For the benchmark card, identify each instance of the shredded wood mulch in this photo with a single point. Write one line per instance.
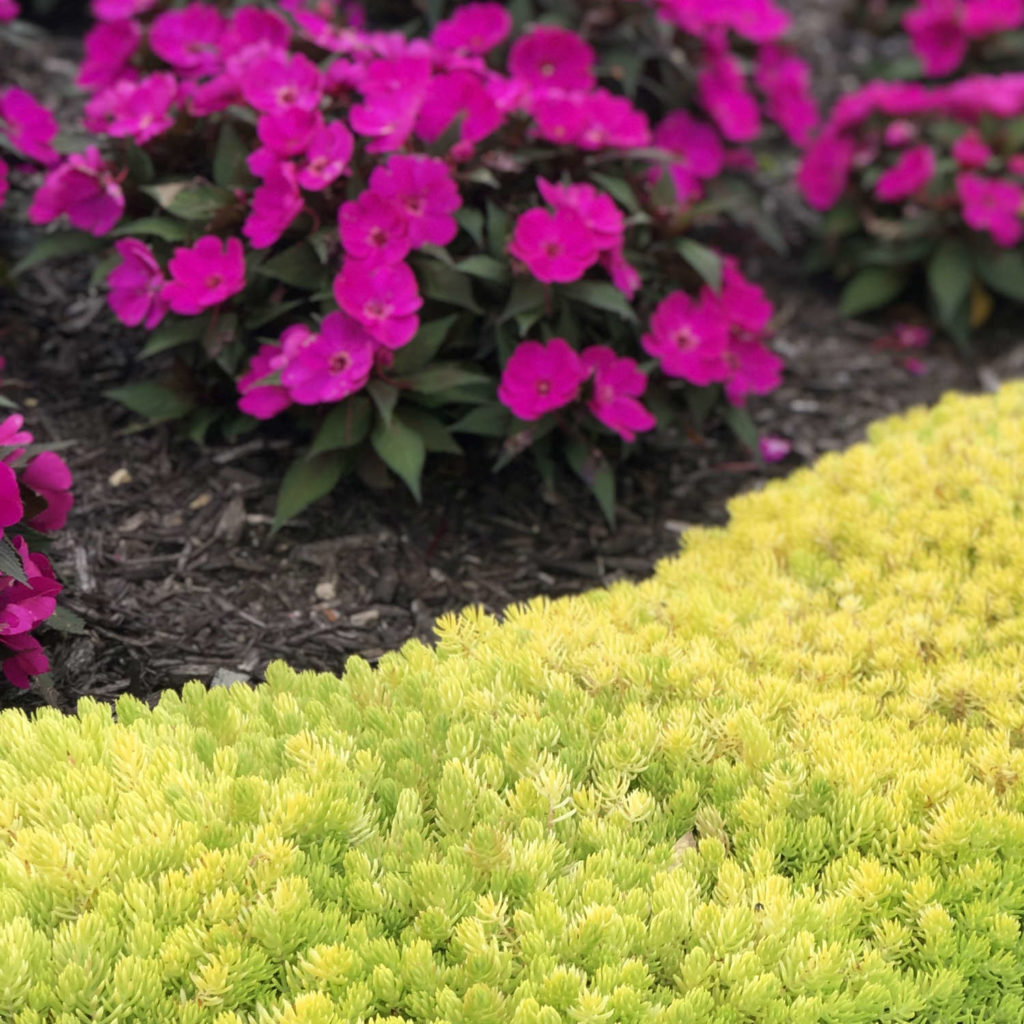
(168, 554)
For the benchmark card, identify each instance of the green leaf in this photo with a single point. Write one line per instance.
(527, 296)
(10, 562)
(1002, 270)
(197, 202)
(153, 227)
(402, 450)
(298, 266)
(441, 376)
(139, 163)
(424, 346)
(385, 397)
(56, 246)
(445, 284)
(603, 296)
(497, 231)
(308, 480)
(871, 289)
(172, 333)
(488, 420)
(524, 438)
(261, 315)
(591, 466)
(472, 222)
(153, 400)
(64, 620)
(436, 436)
(222, 330)
(742, 425)
(950, 274)
(345, 426)
(705, 261)
(485, 267)
(229, 159)
(619, 189)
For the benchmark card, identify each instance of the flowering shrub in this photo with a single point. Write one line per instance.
(924, 182)
(399, 240)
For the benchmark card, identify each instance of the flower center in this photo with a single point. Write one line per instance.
(548, 69)
(414, 205)
(685, 338)
(378, 236)
(338, 362)
(552, 249)
(213, 281)
(375, 310)
(286, 94)
(543, 387)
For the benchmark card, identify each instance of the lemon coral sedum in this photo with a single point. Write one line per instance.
(782, 781)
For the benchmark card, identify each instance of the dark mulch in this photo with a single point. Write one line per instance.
(168, 553)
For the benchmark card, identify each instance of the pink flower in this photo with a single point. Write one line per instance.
(689, 338)
(188, 37)
(327, 157)
(773, 448)
(785, 80)
(109, 46)
(336, 363)
(993, 206)
(278, 81)
(275, 204)
(422, 187)
(250, 26)
(618, 384)
(753, 370)
(596, 209)
(374, 228)
(120, 10)
(560, 117)
(288, 132)
(937, 35)
(83, 188)
(538, 379)
(136, 284)
(624, 275)
(552, 57)
(912, 171)
(11, 508)
(11, 436)
(742, 304)
(204, 275)
(723, 91)
(22, 608)
(137, 110)
(458, 94)
(987, 17)
(48, 476)
(1015, 163)
(262, 396)
(393, 92)
(473, 28)
(970, 151)
(556, 247)
(825, 170)
(29, 126)
(8, 10)
(383, 297)
(611, 122)
(698, 150)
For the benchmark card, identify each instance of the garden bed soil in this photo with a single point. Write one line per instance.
(169, 557)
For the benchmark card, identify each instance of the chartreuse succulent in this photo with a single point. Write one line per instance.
(779, 782)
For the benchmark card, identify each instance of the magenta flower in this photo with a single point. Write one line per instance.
(335, 364)
(987, 17)
(560, 117)
(556, 247)
(83, 188)
(611, 122)
(288, 132)
(109, 46)
(971, 152)
(48, 476)
(538, 379)
(28, 125)
(374, 228)
(825, 170)
(139, 110)
(204, 275)
(624, 275)
(689, 338)
(473, 28)
(992, 205)
(383, 297)
(724, 94)
(912, 171)
(552, 57)
(741, 303)
(618, 384)
(278, 81)
(785, 80)
(327, 156)
(698, 151)
(773, 448)
(136, 285)
(937, 35)
(596, 209)
(22, 608)
(422, 187)
(12, 436)
(753, 370)
(393, 92)
(11, 508)
(189, 37)
(458, 94)
(9, 10)
(120, 10)
(252, 26)
(262, 394)
(275, 204)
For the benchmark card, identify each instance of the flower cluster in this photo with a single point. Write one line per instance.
(924, 174)
(318, 197)
(943, 31)
(35, 493)
(26, 127)
(9, 10)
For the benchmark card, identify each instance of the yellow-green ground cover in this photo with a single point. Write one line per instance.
(779, 782)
